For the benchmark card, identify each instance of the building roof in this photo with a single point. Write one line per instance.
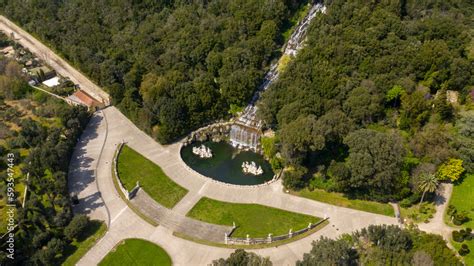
(85, 98)
(52, 82)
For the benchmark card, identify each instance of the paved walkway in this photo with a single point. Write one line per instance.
(82, 177)
(177, 222)
(437, 225)
(125, 224)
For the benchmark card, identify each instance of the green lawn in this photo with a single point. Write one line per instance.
(339, 199)
(79, 247)
(462, 199)
(253, 219)
(133, 167)
(136, 252)
(469, 258)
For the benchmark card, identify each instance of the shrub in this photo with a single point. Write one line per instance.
(468, 235)
(460, 217)
(412, 199)
(451, 170)
(276, 163)
(457, 236)
(293, 178)
(76, 226)
(464, 250)
(451, 210)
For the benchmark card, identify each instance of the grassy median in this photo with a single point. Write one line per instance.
(253, 219)
(133, 167)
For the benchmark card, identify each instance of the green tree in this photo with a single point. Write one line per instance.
(76, 227)
(393, 95)
(327, 251)
(375, 160)
(242, 258)
(451, 170)
(427, 183)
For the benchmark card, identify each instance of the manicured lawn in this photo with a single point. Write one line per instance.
(137, 252)
(133, 167)
(469, 258)
(463, 199)
(339, 199)
(253, 219)
(79, 247)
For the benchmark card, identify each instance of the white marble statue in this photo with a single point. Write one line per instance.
(202, 151)
(251, 168)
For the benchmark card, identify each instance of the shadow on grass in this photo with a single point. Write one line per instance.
(92, 229)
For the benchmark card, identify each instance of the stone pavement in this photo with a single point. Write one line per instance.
(82, 177)
(177, 222)
(126, 224)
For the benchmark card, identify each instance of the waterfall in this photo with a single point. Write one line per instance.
(246, 131)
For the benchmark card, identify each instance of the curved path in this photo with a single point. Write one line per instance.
(124, 223)
(437, 225)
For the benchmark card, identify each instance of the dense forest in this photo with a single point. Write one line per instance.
(379, 100)
(39, 132)
(170, 66)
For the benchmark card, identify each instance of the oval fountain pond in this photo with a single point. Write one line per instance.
(225, 165)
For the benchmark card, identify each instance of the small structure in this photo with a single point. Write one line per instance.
(52, 82)
(42, 73)
(81, 97)
(8, 51)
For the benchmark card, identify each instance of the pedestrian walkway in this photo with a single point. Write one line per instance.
(178, 222)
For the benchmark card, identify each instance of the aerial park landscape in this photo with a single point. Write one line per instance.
(292, 142)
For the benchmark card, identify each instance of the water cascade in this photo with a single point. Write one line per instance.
(246, 131)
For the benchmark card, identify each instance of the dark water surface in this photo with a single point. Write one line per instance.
(226, 164)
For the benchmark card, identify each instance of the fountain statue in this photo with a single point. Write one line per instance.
(202, 151)
(251, 168)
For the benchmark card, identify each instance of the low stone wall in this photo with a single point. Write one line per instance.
(128, 194)
(215, 132)
(269, 239)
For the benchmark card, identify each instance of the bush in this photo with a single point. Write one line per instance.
(411, 200)
(293, 178)
(460, 217)
(464, 250)
(468, 235)
(319, 181)
(276, 163)
(457, 236)
(75, 228)
(451, 210)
